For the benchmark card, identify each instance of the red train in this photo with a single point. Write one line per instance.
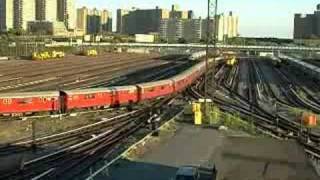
(65, 101)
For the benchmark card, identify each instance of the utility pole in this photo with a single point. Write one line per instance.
(212, 16)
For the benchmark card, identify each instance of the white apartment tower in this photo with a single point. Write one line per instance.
(24, 12)
(66, 13)
(228, 26)
(6, 15)
(46, 10)
(82, 19)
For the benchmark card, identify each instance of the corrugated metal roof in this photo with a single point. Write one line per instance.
(30, 94)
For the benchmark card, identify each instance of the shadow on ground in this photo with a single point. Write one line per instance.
(133, 170)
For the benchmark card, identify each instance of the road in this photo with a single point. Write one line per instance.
(189, 146)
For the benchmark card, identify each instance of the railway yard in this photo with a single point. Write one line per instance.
(271, 93)
(75, 72)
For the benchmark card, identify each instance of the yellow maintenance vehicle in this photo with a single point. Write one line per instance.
(90, 52)
(230, 57)
(45, 55)
(231, 61)
(57, 54)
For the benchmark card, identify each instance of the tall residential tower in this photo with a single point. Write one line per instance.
(24, 12)
(66, 13)
(94, 21)
(6, 15)
(46, 10)
(120, 19)
(307, 26)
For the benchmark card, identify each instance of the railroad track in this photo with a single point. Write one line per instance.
(66, 77)
(295, 88)
(108, 133)
(264, 121)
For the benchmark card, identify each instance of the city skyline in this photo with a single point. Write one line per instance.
(258, 19)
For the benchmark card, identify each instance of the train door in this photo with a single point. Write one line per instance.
(62, 102)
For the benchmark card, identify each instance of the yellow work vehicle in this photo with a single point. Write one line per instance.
(231, 61)
(45, 55)
(40, 56)
(91, 52)
(57, 54)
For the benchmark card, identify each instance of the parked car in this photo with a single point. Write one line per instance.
(188, 173)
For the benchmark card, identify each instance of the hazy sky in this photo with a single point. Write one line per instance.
(262, 18)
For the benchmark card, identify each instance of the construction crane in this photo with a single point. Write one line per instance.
(211, 39)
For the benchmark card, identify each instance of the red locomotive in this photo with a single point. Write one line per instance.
(28, 103)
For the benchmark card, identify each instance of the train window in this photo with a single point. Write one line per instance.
(89, 96)
(25, 101)
(163, 87)
(151, 89)
(44, 99)
(7, 101)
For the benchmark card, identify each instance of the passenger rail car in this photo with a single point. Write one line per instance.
(27, 103)
(99, 97)
(155, 89)
(68, 100)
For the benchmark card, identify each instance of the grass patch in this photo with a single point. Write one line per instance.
(217, 118)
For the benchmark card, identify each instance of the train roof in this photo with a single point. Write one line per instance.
(182, 75)
(30, 94)
(155, 83)
(100, 90)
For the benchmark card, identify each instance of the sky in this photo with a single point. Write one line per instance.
(258, 18)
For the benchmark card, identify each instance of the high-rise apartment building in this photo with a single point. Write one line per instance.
(176, 13)
(46, 10)
(141, 21)
(193, 30)
(24, 12)
(94, 21)
(31, 14)
(106, 21)
(6, 15)
(307, 26)
(173, 30)
(66, 13)
(227, 27)
(82, 19)
(144, 21)
(121, 13)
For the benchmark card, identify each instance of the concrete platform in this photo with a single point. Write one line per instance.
(235, 156)
(190, 146)
(263, 158)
